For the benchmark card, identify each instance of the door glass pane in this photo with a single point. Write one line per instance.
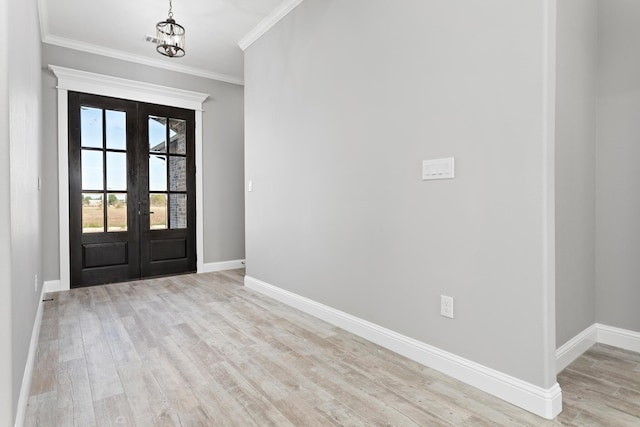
(117, 212)
(92, 170)
(158, 209)
(116, 171)
(157, 173)
(157, 134)
(177, 173)
(91, 127)
(178, 136)
(116, 129)
(92, 213)
(178, 210)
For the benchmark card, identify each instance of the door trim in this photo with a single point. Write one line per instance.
(99, 84)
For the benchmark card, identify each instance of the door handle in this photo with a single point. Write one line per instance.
(143, 213)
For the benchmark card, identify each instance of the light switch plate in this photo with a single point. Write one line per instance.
(438, 169)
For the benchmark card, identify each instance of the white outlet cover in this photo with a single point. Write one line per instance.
(446, 306)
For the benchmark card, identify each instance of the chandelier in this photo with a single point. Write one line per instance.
(170, 36)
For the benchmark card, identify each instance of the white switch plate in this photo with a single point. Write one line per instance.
(438, 169)
(250, 186)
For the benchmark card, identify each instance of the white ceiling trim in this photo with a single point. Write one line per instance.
(43, 14)
(99, 84)
(269, 21)
(118, 54)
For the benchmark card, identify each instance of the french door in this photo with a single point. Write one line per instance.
(131, 190)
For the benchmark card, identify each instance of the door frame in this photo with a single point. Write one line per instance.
(115, 87)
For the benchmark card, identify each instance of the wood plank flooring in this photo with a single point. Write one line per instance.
(201, 350)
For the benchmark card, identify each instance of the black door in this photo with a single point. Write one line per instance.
(167, 191)
(131, 188)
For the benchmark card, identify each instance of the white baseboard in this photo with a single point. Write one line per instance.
(596, 333)
(622, 338)
(577, 345)
(52, 286)
(221, 266)
(25, 388)
(546, 403)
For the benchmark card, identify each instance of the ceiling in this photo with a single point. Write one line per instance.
(117, 28)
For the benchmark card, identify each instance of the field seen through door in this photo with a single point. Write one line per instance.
(93, 218)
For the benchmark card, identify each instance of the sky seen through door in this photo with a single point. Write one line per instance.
(115, 129)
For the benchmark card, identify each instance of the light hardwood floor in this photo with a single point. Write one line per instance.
(201, 350)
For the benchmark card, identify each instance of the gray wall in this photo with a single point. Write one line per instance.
(6, 401)
(343, 101)
(223, 150)
(617, 166)
(19, 183)
(576, 85)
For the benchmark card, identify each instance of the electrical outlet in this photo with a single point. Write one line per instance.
(35, 283)
(446, 306)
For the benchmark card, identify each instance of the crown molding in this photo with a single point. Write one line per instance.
(99, 84)
(269, 21)
(125, 56)
(43, 16)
